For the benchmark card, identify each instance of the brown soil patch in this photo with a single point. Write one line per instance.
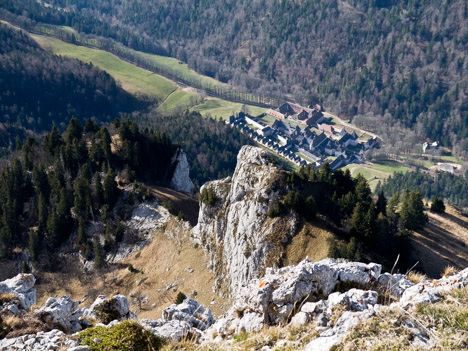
(443, 242)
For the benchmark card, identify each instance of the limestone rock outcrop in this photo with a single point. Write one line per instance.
(188, 318)
(275, 298)
(235, 229)
(22, 286)
(181, 178)
(42, 341)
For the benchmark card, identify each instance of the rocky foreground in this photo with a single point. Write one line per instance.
(329, 299)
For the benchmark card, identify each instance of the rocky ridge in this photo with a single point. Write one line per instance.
(235, 230)
(333, 296)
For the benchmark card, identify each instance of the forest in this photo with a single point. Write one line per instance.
(454, 189)
(405, 59)
(211, 146)
(38, 90)
(367, 227)
(52, 189)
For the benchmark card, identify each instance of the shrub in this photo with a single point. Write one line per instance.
(128, 335)
(274, 211)
(180, 298)
(207, 196)
(437, 205)
(106, 311)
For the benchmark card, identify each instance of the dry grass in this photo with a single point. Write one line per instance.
(416, 277)
(7, 297)
(158, 265)
(311, 241)
(275, 338)
(12, 326)
(443, 242)
(445, 323)
(449, 270)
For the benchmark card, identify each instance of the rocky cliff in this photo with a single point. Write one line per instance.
(233, 226)
(181, 179)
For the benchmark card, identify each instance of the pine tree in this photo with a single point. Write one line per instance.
(358, 227)
(98, 191)
(82, 237)
(381, 204)
(437, 205)
(412, 210)
(33, 245)
(98, 254)
(110, 188)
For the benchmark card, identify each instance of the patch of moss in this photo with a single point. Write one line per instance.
(106, 312)
(127, 335)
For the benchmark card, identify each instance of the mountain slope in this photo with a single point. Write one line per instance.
(405, 59)
(39, 89)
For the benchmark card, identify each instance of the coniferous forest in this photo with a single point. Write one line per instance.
(399, 60)
(38, 90)
(51, 188)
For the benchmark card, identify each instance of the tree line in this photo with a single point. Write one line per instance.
(452, 188)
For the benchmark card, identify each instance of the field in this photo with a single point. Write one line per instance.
(141, 82)
(179, 99)
(377, 171)
(219, 108)
(133, 79)
(183, 68)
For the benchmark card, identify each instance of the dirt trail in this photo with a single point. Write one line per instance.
(443, 242)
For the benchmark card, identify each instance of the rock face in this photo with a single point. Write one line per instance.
(275, 298)
(107, 309)
(181, 321)
(61, 313)
(235, 230)
(146, 217)
(181, 179)
(307, 293)
(22, 286)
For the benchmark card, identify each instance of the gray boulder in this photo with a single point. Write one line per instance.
(61, 314)
(186, 320)
(109, 309)
(22, 286)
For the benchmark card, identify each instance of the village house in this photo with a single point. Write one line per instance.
(303, 146)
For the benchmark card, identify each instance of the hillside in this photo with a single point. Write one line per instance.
(443, 242)
(386, 60)
(39, 89)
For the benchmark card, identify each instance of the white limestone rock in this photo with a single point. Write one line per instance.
(430, 292)
(22, 286)
(396, 284)
(235, 230)
(60, 313)
(333, 336)
(42, 341)
(191, 312)
(117, 304)
(173, 330)
(354, 299)
(181, 178)
(145, 219)
(188, 318)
